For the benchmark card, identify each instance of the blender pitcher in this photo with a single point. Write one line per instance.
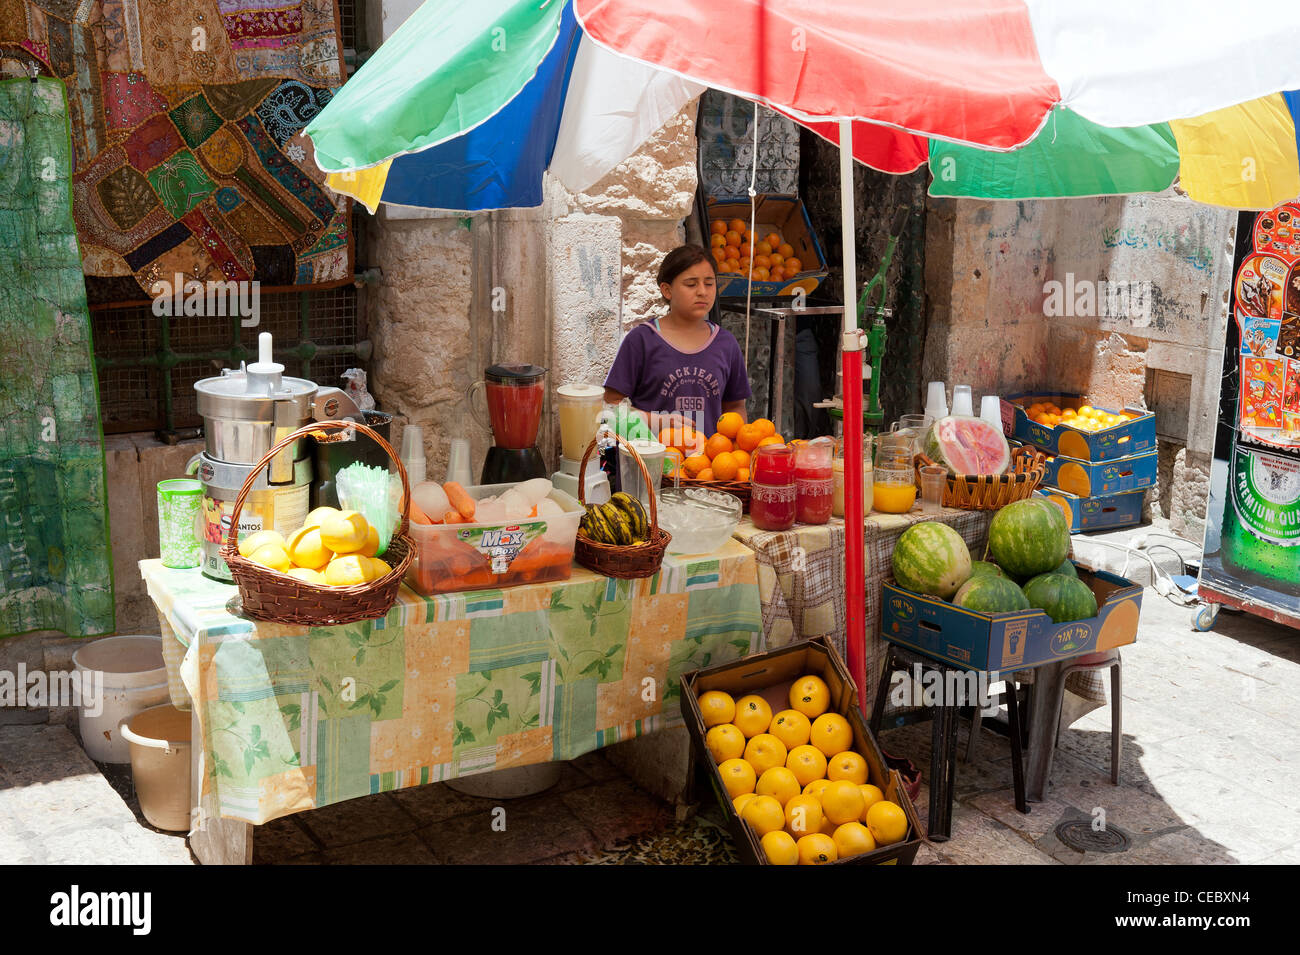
(514, 394)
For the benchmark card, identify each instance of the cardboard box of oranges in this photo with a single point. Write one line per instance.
(798, 263)
(1068, 424)
(799, 758)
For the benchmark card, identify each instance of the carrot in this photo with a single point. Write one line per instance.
(418, 515)
(453, 517)
(460, 500)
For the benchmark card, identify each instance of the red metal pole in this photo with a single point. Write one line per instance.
(854, 564)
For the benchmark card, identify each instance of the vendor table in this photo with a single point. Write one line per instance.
(801, 576)
(291, 718)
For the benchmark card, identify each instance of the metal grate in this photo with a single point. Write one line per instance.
(1080, 836)
(348, 22)
(147, 369)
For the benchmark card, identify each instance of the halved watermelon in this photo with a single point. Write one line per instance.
(966, 445)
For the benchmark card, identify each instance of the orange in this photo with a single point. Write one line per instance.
(732, 265)
(764, 814)
(695, 464)
(853, 839)
(730, 424)
(773, 239)
(762, 274)
(733, 251)
(717, 444)
(870, 796)
(725, 742)
(672, 437)
(803, 815)
(737, 777)
(792, 265)
(764, 752)
(744, 252)
(748, 437)
(775, 439)
(842, 802)
(779, 783)
(737, 225)
(742, 474)
(693, 443)
(725, 467)
(705, 475)
(815, 788)
(887, 822)
(733, 238)
(766, 426)
(776, 275)
(717, 707)
(810, 696)
(807, 763)
(817, 849)
(763, 248)
(718, 241)
(718, 228)
(785, 248)
(761, 259)
(740, 802)
(831, 734)
(674, 458)
(719, 255)
(753, 715)
(791, 727)
(847, 765)
(780, 848)
(777, 258)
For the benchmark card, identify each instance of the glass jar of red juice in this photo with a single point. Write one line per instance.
(772, 498)
(814, 482)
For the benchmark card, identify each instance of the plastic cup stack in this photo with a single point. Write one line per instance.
(991, 410)
(936, 401)
(961, 401)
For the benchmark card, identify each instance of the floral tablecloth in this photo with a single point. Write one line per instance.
(294, 718)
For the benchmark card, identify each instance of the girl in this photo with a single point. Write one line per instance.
(682, 365)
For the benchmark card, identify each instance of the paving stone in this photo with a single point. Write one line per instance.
(357, 820)
(315, 857)
(533, 831)
(1249, 825)
(616, 810)
(978, 839)
(1041, 819)
(437, 802)
(404, 849)
(926, 854)
(280, 839)
(1131, 809)
(1288, 856)
(1186, 847)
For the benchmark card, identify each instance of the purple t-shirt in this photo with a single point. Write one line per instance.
(658, 377)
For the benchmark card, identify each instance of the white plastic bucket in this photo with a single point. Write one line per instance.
(159, 739)
(134, 677)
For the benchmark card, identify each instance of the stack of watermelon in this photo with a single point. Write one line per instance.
(1028, 540)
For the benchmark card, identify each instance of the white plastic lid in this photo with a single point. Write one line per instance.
(580, 391)
(645, 448)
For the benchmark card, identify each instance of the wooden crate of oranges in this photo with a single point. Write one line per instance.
(793, 764)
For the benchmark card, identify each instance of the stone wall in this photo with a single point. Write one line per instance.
(1137, 319)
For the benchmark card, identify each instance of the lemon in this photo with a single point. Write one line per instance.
(753, 715)
(763, 752)
(887, 822)
(815, 788)
(848, 765)
(803, 816)
(371, 547)
(780, 848)
(306, 550)
(791, 727)
(378, 568)
(779, 783)
(831, 734)
(307, 575)
(870, 796)
(817, 849)
(347, 571)
(737, 777)
(810, 696)
(725, 742)
(764, 814)
(853, 839)
(740, 801)
(272, 555)
(316, 517)
(344, 532)
(255, 540)
(717, 707)
(842, 802)
(807, 763)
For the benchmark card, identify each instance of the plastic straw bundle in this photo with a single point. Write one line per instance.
(376, 493)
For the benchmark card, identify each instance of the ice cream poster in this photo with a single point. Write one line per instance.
(1259, 338)
(1261, 392)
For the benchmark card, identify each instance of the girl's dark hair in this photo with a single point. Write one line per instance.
(682, 258)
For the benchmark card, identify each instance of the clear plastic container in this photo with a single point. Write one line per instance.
(455, 557)
(699, 520)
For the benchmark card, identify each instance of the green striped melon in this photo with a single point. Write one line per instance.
(1067, 568)
(1062, 598)
(931, 558)
(978, 567)
(1029, 537)
(990, 593)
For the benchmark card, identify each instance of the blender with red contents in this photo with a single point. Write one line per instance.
(814, 481)
(514, 394)
(772, 495)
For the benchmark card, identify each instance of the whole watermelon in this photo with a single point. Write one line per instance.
(1062, 598)
(1067, 568)
(968, 445)
(1029, 537)
(989, 593)
(978, 567)
(931, 558)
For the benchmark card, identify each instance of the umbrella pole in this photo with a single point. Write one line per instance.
(854, 535)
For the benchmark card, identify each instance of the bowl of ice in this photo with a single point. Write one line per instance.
(700, 520)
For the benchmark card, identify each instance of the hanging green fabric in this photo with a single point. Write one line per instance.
(56, 570)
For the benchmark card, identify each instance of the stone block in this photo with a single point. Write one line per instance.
(659, 763)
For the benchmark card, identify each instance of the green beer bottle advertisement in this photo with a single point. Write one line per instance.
(1261, 515)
